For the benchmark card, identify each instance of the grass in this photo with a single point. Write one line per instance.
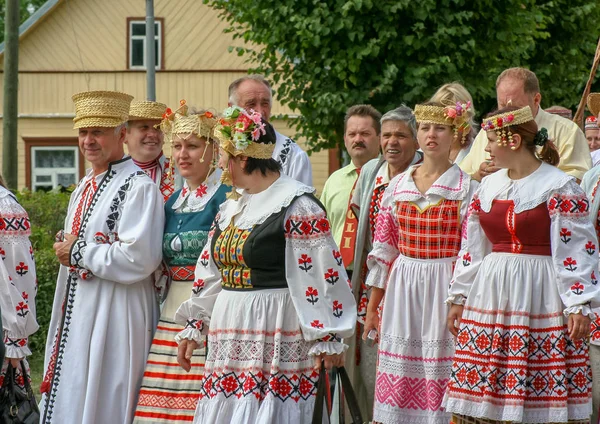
(36, 364)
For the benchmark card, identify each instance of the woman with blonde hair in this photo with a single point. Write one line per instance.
(416, 243)
(451, 95)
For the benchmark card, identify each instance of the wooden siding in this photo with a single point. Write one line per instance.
(63, 127)
(91, 35)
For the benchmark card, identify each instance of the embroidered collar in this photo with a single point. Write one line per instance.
(150, 164)
(254, 209)
(196, 200)
(528, 192)
(452, 185)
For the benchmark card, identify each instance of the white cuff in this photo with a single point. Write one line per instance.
(378, 275)
(455, 299)
(585, 310)
(190, 334)
(16, 348)
(328, 348)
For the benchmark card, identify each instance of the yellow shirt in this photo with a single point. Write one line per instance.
(570, 141)
(335, 198)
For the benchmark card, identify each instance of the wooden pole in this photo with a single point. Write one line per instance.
(578, 118)
(150, 53)
(11, 90)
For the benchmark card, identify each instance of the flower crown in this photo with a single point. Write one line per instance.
(181, 122)
(499, 123)
(241, 127)
(239, 131)
(456, 116)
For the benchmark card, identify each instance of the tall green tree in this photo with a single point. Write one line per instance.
(326, 56)
(28, 8)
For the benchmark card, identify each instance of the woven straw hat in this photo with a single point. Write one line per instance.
(146, 110)
(101, 109)
(593, 103)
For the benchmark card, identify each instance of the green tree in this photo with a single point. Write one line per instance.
(27, 6)
(326, 56)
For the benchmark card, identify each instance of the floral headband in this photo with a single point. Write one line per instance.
(499, 123)
(456, 116)
(239, 131)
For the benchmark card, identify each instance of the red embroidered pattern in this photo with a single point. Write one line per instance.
(375, 205)
(167, 182)
(516, 246)
(525, 366)
(574, 205)
(410, 393)
(289, 386)
(182, 273)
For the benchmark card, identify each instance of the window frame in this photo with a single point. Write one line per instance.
(50, 143)
(160, 39)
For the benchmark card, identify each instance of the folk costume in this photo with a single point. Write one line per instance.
(528, 260)
(18, 283)
(366, 202)
(417, 239)
(272, 293)
(105, 309)
(293, 160)
(590, 184)
(168, 393)
(570, 141)
(159, 169)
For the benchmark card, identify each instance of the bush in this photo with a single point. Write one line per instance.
(47, 211)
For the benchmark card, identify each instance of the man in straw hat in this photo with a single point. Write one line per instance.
(145, 142)
(254, 92)
(520, 87)
(104, 309)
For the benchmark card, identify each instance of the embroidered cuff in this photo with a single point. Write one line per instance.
(585, 310)
(328, 348)
(16, 348)
(193, 331)
(455, 299)
(77, 252)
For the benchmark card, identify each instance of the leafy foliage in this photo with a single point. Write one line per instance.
(47, 213)
(326, 56)
(24, 13)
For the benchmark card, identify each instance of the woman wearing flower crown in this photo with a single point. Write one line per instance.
(168, 394)
(274, 299)
(523, 287)
(455, 95)
(416, 243)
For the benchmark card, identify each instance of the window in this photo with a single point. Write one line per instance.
(136, 30)
(53, 167)
(52, 163)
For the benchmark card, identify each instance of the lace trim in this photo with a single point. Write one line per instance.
(328, 348)
(528, 192)
(197, 200)
(248, 219)
(452, 185)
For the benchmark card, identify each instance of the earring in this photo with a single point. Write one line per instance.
(513, 147)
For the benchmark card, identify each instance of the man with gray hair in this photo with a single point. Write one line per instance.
(254, 92)
(398, 142)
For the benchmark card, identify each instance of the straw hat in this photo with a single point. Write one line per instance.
(146, 110)
(101, 109)
(593, 103)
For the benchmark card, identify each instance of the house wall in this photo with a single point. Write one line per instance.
(82, 45)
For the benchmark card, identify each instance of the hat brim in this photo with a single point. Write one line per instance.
(593, 103)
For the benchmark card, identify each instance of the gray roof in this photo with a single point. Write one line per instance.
(33, 19)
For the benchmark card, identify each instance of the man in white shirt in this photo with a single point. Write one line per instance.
(254, 92)
(520, 87)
